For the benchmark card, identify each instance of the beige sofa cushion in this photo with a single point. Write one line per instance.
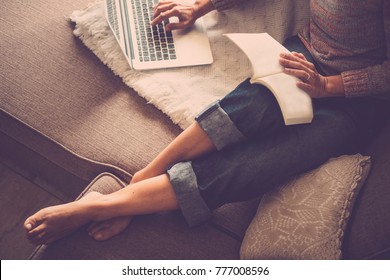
(306, 218)
(64, 102)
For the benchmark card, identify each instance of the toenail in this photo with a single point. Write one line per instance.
(99, 236)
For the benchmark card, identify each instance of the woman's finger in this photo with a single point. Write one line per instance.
(288, 62)
(302, 59)
(300, 55)
(301, 74)
(176, 25)
(307, 88)
(165, 15)
(161, 6)
(294, 56)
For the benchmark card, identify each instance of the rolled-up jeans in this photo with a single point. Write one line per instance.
(256, 151)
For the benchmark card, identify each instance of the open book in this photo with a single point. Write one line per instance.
(263, 52)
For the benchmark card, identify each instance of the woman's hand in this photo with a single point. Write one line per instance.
(187, 14)
(316, 85)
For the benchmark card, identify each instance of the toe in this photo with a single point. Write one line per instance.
(33, 221)
(37, 238)
(35, 232)
(99, 236)
(29, 224)
(96, 227)
(108, 232)
(103, 234)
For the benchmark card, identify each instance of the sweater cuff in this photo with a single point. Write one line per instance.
(356, 83)
(221, 5)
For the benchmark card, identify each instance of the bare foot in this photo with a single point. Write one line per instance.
(52, 223)
(104, 230)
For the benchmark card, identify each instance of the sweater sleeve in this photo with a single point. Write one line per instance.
(374, 80)
(221, 5)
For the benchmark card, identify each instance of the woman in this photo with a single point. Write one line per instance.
(239, 147)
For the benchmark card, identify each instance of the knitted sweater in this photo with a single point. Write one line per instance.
(348, 37)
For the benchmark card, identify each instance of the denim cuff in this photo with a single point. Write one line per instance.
(192, 205)
(218, 126)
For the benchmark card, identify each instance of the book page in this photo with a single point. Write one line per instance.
(295, 104)
(262, 50)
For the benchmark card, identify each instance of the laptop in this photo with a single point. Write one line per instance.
(151, 47)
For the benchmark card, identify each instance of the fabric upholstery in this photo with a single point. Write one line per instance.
(52, 83)
(368, 233)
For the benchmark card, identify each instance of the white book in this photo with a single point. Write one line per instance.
(263, 52)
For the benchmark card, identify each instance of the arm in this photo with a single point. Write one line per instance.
(316, 85)
(221, 5)
(187, 13)
(375, 79)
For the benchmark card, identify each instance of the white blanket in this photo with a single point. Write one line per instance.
(181, 93)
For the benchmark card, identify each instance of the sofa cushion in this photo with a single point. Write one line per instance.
(368, 233)
(58, 99)
(306, 217)
(235, 218)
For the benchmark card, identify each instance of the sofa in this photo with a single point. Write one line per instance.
(59, 102)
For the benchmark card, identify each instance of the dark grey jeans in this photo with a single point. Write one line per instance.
(256, 151)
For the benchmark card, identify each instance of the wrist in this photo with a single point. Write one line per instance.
(202, 7)
(334, 86)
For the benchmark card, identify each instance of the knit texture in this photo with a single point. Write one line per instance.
(350, 37)
(224, 5)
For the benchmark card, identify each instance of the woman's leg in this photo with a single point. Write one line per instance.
(248, 111)
(247, 169)
(149, 196)
(190, 144)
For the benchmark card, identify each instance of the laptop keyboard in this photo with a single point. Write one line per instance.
(112, 18)
(154, 43)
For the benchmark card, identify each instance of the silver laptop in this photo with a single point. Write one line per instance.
(151, 47)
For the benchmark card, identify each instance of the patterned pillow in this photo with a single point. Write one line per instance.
(306, 218)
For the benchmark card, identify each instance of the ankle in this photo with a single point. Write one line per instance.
(138, 176)
(146, 173)
(93, 207)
